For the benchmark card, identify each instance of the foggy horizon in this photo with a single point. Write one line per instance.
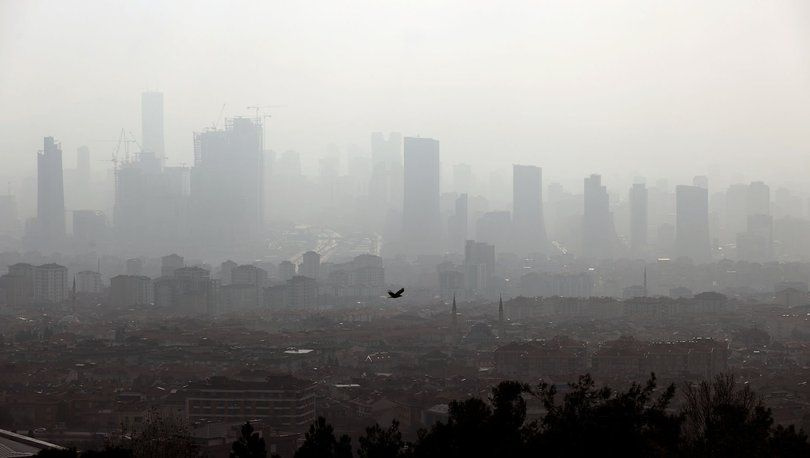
(624, 89)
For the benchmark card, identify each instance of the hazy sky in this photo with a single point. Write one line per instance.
(618, 87)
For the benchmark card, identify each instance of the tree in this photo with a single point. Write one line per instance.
(320, 442)
(475, 429)
(597, 421)
(159, 437)
(723, 419)
(381, 443)
(249, 444)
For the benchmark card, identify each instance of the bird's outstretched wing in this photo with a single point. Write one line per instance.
(401, 290)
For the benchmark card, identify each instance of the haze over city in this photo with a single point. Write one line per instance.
(404, 229)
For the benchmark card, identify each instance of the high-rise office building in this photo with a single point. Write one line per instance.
(598, 232)
(170, 264)
(527, 209)
(310, 265)
(458, 223)
(50, 194)
(758, 200)
(692, 223)
(421, 229)
(286, 270)
(638, 217)
(228, 177)
(152, 124)
(385, 186)
(50, 283)
(479, 265)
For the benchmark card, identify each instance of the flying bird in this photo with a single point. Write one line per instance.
(396, 295)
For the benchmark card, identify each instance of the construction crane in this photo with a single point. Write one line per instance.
(258, 108)
(219, 118)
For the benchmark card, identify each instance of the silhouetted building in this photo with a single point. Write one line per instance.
(386, 185)
(88, 282)
(479, 265)
(249, 275)
(421, 229)
(286, 270)
(50, 195)
(457, 224)
(598, 232)
(310, 265)
(527, 209)
(170, 263)
(228, 177)
(130, 290)
(226, 272)
(638, 217)
(692, 223)
(50, 284)
(282, 401)
(152, 124)
(18, 284)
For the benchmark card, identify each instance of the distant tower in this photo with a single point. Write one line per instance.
(645, 280)
(421, 225)
(310, 265)
(692, 223)
(638, 217)
(50, 193)
(152, 123)
(527, 209)
(598, 233)
(454, 312)
(501, 324)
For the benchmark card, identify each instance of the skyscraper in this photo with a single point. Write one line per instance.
(692, 223)
(310, 265)
(598, 233)
(638, 217)
(527, 209)
(152, 123)
(458, 223)
(50, 194)
(228, 177)
(385, 186)
(421, 229)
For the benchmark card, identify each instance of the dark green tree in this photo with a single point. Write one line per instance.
(475, 429)
(593, 421)
(249, 444)
(724, 419)
(320, 442)
(382, 443)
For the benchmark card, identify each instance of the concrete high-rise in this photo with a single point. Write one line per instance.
(758, 201)
(152, 124)
(421, 227)
(638, 217)
(310, 265)
(598, 232)
(228, 178)
(692, 223)
(527, 209)
(385, 186)
(50, 194)
(457, 225)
